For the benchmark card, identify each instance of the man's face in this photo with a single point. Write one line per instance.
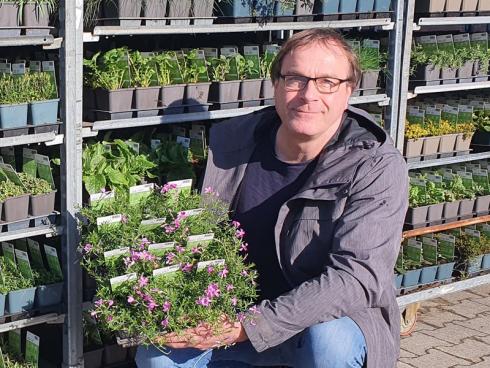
(309, 113)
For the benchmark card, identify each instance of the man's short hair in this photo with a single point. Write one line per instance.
(325, 36)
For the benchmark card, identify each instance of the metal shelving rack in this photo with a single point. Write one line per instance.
(405, 94)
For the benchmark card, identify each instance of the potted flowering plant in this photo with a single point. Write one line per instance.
(186, 269)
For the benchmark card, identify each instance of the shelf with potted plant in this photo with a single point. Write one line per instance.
(449, 12)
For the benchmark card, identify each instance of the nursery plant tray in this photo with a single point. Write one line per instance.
(31, 321)
(30, 130)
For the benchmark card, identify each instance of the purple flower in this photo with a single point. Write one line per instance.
(239, 233)
(99, 303)
(124, 219)
(110, 303)
(213, 291)
(131, 299)
(234, 301)
(235, 224)
(210, 269)
(229, 287)
(196, 250)
(169, 229)
(223, 273)
(204, 301)
(166, 306)
(182, 215)
(109, 318)
(170, 257)
(244, 273)
(88, 247)
(164, 323)
(143, 281)
(241, 317)
(254, 310)
(167, 187)
(208, 190)
(179, 249)
(93, 314)
(187, 267)
(244, 247)
(152, 305)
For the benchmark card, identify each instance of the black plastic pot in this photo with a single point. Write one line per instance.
(417, 215)
(120, 9)
(451, 210)
(114, 354)
(465, 72)
(155, 9)
(49, 295)
(482, 205)
(93, 358)
(89, 104)
(202, 10)
(36, 17)
(448, 75)
(466, 208)
(119, 100)
(267, 91)
(434, 213)
(172, 95)
(146, 98)
(225, 91)
(197, 93)
(42, 204)
(179, 9)
(16, 208)
(431, 74)
(250, 89)
(8, 18)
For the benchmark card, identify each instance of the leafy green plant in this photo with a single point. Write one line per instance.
(417, 196)
(14, 89)
(142, 70)
(481, 119)
(9, 189)
(193, 68)
(40, 87)
(219, 67)
(172, 161)
(369, 58)
(469, 246)
(266, 60)
(245, 67)
(163, 64)
(35, 186)
(107, 71)
(11, 278)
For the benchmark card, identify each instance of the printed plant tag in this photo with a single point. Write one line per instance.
(44, 169)
(109, 220)
(9, 252)
(135, 146)
(116, 253)
(213, 263)
(119, 280)
(15, 343)
(152, 224)
(169, 271)
(413, 251)
(472, 232)
(159, 249)
(140, 192)
(11, 174)
(36, 256)
(97, 200)
(29, 165)
(194, 212)
(53, 260)
(184, 141)
(446, 246)
(154, 143)
(199, 240)
(429, 250)
(23, 264)
(32, 348)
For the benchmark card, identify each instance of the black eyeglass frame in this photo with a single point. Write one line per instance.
(307, 79)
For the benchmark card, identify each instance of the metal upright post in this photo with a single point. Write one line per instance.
(405, 73)
(394, 69)
(71, 20)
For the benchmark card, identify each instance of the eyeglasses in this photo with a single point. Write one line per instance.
(294, 83)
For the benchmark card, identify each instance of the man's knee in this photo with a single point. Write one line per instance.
(335, 344)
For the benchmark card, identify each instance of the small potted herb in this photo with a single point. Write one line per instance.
(15, 201)
(266, 60)
(435, 200)
(222, 89)
(423, 67)
(195, 74)
(414, 140)
(143, 78)
(170, 79)
(21, 290)
(465, 133)
(43, 99)
(13, 101)
(369, 62)
(42, 195)
(250, 76)
(35, 15)
(470, 250)
(418, 207)
(49, 290)
(411, 276)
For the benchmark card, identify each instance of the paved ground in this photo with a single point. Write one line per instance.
(452, 331)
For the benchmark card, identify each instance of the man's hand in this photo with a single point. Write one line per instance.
(202, 337)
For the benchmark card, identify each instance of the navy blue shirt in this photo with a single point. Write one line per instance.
(268, 183)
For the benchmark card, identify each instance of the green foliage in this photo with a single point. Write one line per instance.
(172, 161)
(107, 70)
(481, 119)
(11, 278)
(117, 169)
(9, 189)
(193, 68)
(369, 58)
(266, 60)
(245, 67)
(164, 67)
(43, 7)
(142, 70)
(470, 246)
(35, 186)
(13, 89)
(219, 67)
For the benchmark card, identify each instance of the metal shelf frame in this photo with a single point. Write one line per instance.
(48, 230)
(448, 160)
(32, 321)
(48, 138)
(450, 87)
(27, 41)
(451, 21)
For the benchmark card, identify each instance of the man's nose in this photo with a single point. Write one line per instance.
(310, 92)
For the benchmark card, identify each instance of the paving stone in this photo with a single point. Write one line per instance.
(484, 300)
(481, 323)
(455, 333)
(406, 354)
(484, 364)
(418, 343)
(483, 290)
(457, 297)
(470, 349)
(467, 308)
(439, 318)
(435, 359)
(403, 365)
(421, 326)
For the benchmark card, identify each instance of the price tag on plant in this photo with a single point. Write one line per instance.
(44, 169)
(465, 114)
(36, 256)
(467, 179)
(53, 260)
(152, 224)
(110, 220)
(18, 69)
(29, 165)
(6, 68)
(154, 143)
(446, 246)
(477, 105)
(140, 192)
(118, 281)
(15, 343)
(9, 252)
(159, 249)
(116, 253)
(197, 145)
(214, 263)
(429, 250)
(194, 212)
(97, 200)
(49, 67)
(199, 240)
(416, 117)
(472, 232)
(210, 52)
(436, 179)
(8, 154)
(413, 251)
(355, 46)
(485, 229)
(35, 66)
(181, 185)
(480, 177)
(32, 348)
(184, 142)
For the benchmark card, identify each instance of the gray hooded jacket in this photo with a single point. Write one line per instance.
(337, 239)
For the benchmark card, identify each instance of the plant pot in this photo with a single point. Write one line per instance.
(474, 264)
(203, 9)
(267, 91)
(20, 300)
(397, 280)
(448, 143)
(430, 6)
(49, 295)
(451, 210)
(93, 359)
(114, 354)
(155, 9)
(120, 9)
(469, 5)
(445, 271)
(3, 297)
(179, 9)
(282, 13)
(465, 72)
(411, 278)
(453, 5)
(250, 89)
(448, 75)
(417, 215)
(118, 100)
(413, 147)
(369, 82)
(347, 6)
(304, 11)
(484, 265)
(13, 116)
(16, 208)
(365, 6)
(466, 208)
(35, 17)
(434, 212)
(482, 205)
(328, 8)
(146, 98)
(197, 93)
(172, 95)
(483, 5)
(431, 145)
(428, 274)
(9, 18)
(43, 112)
(429, 73)
(382, 5)
(463, 142)
(480, 71)
(240, 10)
(42, 204)
(223, 92)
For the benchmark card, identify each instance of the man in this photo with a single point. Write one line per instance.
(322, 194)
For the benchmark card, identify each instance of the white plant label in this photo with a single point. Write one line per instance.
(251, 50)
(202, 239)
(181, 184)
(32, 348)
(184, 141)
(213, 263)
(210, 52)
(414, 243)
(154, 143)
(117, 281)
(194, 212)
(35, 250)
(165, 271)
(229, 51)
(48, 66)
(116, 253)
(8, 251)
(159, 249)
(18, 69)
(112, 219)
(135, 146)
(102, 196)
(472, 232)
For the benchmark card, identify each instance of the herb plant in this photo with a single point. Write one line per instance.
(142, 70)
(9, 189)
(35, 186)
